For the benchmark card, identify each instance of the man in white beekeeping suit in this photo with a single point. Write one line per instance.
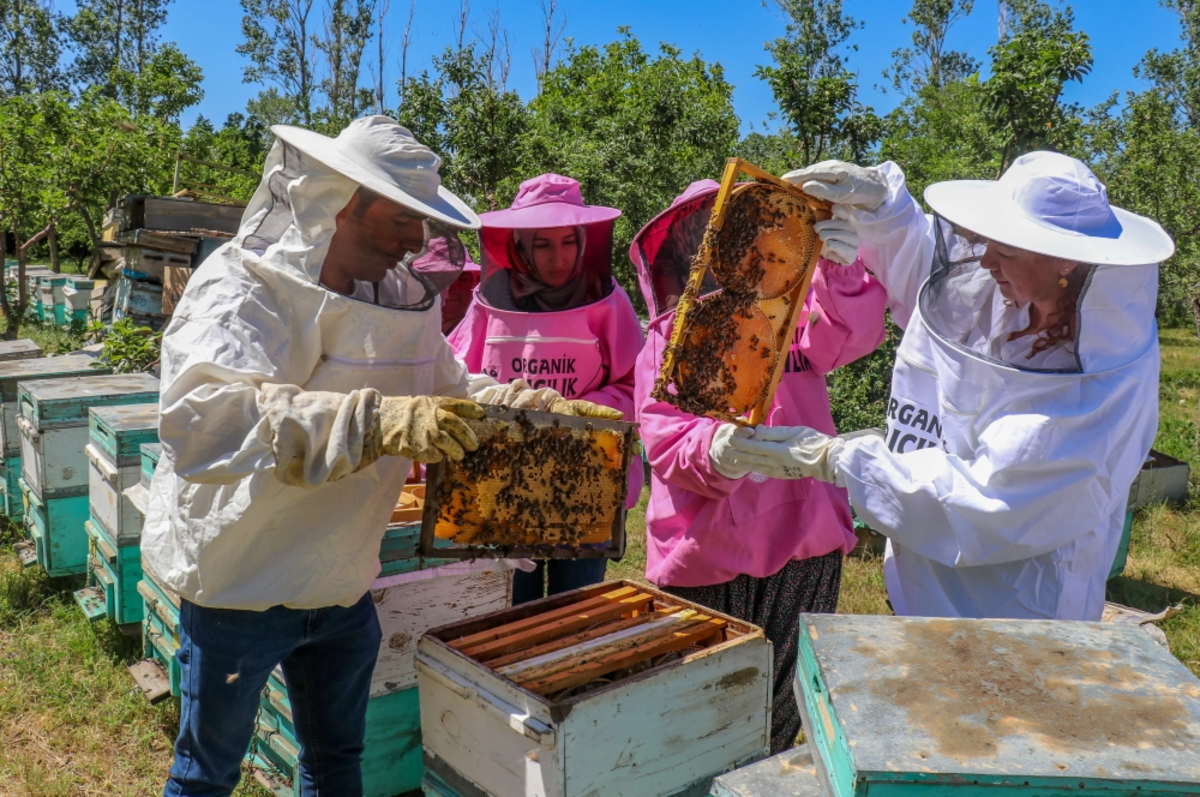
(302, 374)
(1025, 390)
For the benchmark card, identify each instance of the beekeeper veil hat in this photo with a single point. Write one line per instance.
(308, 178)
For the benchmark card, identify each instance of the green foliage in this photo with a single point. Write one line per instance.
(30, 48)
(241, 144)
(1022, 96)
(118, 54)
(816, 92)
(858, 392)
(129, 348)
(464, 113)
(634, 128)
(311, 57)
(928, 62)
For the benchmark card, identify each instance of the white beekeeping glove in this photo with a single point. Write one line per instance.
(841, 183)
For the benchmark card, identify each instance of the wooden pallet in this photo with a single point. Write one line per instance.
(590, 639)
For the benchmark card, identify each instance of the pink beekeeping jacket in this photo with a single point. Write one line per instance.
(704, 529)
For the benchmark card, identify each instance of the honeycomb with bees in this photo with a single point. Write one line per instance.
(728, 347)
(540, 485)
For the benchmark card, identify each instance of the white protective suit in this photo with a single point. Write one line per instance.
(221, 530)
(1002, 482)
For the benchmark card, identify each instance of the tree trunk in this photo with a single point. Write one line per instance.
(15, 313)
(52, 239)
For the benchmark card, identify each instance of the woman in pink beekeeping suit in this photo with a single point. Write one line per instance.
(760, 549)
(548, 311)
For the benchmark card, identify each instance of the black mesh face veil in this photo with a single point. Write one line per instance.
(961, 304)
(667, 249)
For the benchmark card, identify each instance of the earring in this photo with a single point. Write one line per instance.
(1062, 283)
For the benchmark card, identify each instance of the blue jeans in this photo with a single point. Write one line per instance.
(225, 656)
(564, 575)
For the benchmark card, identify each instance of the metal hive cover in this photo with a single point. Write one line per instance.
(1033, 706)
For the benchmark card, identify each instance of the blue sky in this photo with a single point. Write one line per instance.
(729, 31)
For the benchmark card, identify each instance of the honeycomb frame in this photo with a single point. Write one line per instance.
(454, 504)
(691, 310)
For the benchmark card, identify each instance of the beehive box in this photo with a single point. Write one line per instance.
(160, 630)
(922, 706)
(13, 373)
(54, 428)
(114, 454)
(728, 348)
(392, 756)
(115, 527)
(657, 696)
(114, 572)
(540, 485)
(53, 302)
(141, 301)
(23, 349)
(55, 527)
(150, 265)
(54, 465)
(792, 773)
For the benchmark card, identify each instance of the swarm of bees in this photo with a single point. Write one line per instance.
(535, 484)
(728, 344)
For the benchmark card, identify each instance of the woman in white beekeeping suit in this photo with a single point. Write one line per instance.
(1025, 390)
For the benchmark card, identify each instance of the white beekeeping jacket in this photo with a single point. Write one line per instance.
(1003, 479)
(221, 529)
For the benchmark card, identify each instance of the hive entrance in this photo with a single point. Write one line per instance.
(540, 485)
(728, 348)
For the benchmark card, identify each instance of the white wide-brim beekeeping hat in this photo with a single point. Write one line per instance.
(380, 155)
(1052, 204)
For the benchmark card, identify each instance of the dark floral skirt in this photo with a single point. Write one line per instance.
(774, 604)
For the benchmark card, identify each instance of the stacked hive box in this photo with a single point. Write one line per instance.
(12, 374)
(13, 350)
(392, 762)
(617, 689)
(53, 421)
(160, 606)
(114, 528)
(165, 238)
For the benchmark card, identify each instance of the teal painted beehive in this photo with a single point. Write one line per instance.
(918, 706)
(53, 302)
(150, 454)
(11, 374)
(61, 554)
(115, 529)
(54, 436)
(23, 349)
(115, 572)
(10, 483)
(160, 626)
(114, 454)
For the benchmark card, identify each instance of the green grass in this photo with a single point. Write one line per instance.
(71, 723)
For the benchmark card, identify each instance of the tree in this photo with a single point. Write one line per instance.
(1177, 74)
(466, 114)
(59, 157)
(30, 48)
(817, 95)
(928, 62)
(635, 129)
(117, 52)
(346, 32)
(277, 37)
(1037, 56)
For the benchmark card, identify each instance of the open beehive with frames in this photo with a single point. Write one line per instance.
(728, 348)
(645, 694)
(540, 485)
